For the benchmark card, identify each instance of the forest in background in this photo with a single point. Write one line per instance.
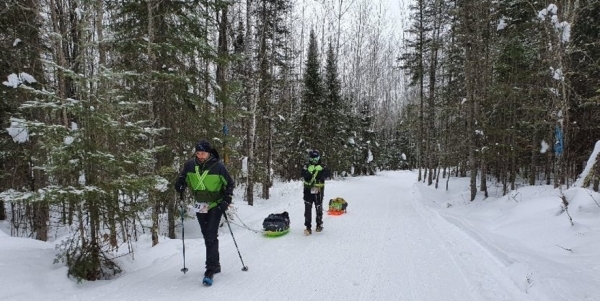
(102, 102)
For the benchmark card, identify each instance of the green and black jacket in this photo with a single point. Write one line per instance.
(209, 182)
(314, 175)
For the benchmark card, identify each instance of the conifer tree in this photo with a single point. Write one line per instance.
(272, 67)
(336, 117)
(515, 64)
(366, 143)
(585, 80)
(77, 171)
(452, 113)
(166, 47)
(20, 50)
(414, 63)
(312, 120)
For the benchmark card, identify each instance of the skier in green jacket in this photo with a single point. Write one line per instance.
(212, 188)
(314, 175)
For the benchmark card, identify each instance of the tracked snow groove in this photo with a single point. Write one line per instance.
(483, 270)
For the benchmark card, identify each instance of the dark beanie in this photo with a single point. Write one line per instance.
(203, 146)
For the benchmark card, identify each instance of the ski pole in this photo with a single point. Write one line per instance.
(184, 269)
(244, 267)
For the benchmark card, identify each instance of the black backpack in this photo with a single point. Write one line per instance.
(277, 222)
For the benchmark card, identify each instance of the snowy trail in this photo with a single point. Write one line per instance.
(388, 244)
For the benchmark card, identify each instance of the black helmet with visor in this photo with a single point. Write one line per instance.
(314, 156)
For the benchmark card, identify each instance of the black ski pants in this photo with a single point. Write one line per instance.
(209, 225)
(309, 200)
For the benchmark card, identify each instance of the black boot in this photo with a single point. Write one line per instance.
(210, 273)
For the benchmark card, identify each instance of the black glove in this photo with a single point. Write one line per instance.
(180, 188)
(224, 205)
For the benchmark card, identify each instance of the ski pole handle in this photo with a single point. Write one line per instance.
(181, 206)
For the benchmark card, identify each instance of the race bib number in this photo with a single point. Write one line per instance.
(201, 207)
(314, 190)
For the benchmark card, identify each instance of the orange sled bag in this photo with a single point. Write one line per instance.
(337, 206)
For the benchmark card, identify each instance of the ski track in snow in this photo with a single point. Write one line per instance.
(514, 260)
(388, 244)
(484, 269)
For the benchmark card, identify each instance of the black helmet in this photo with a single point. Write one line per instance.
(314, 156)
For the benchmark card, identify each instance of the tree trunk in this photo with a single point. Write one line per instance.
(421, 134)
(433, 66)
(251, 100)
(534, 161)
(154, 199)
(40, 220)
(483, 178)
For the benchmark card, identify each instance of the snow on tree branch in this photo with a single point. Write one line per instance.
(15, 80)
